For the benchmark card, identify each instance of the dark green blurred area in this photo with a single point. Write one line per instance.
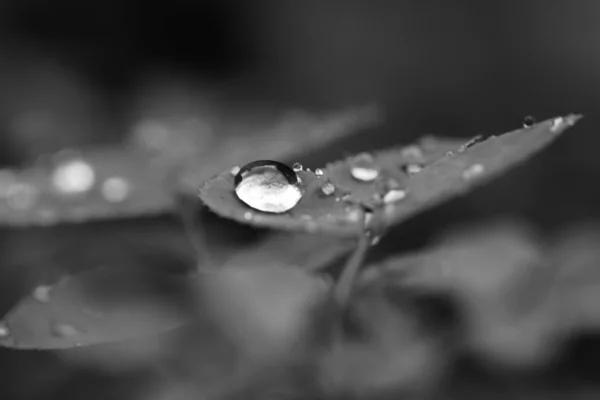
(457, 68)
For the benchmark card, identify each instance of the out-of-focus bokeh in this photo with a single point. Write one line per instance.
(83, 74)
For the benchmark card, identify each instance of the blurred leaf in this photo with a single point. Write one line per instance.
(397, 183)
(138, 180)
(101, 306)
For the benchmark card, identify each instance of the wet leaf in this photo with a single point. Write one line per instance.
(136, 180)
(332, 197)
(102, 306)
(398, 183)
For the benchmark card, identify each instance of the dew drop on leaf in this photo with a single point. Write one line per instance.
(73, 177)
(65, 330)
(473, 171)
(393, 196)
(42, 293)
(297, 167)
(319, 172)
(4, 330)
(328, 188)
(412, 169)
(268, 186)
(235, 170)
(528, 121)
(115, 189)
(363, 168)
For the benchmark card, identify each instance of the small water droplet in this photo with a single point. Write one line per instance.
(297, 167)
(412, 169)
(363, 168)
(528, 121)
(346, 197)
(413, 154)
(248, 216)
(42, 293)
(319, 172)
(557, 123)
(65, 330)
(73, 177)
(22, 196)
(115, 189)
(394, 195)
(328, 189)
(4, 330)
(234, 170)
(473, 171)
(268, 186)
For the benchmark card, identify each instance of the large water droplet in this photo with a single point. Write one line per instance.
(42, 293)
(115, 189)
(363, 168)
(73, 177)
(528, 121)
(268, 186)
(473, 171)
(65, 330)
(4, 330)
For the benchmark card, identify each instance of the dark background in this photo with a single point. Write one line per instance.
(456, 68)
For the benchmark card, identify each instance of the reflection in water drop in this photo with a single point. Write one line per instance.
(393, 196)
(528, 121)
(4, 330)
(73, 177)
(115, 189)
(268, 186)
(328, 188)
(473, 171)
(65, 330)
(319, 172)
(22, 196)
(363, 168)
(42, 293)
(234, 170)
(297, 167)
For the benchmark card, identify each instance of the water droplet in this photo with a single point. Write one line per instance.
(449, 154)
(528, 121)
(65, 330)
(473, 171)
(363, 168)
(328, 188)
(394, 195)
(297, 167)
(73, 177)
(234, 170)
(4, 330)
(319, 172)
(413, 154)
(115, 189)
(557, 123)
(346, 197)
(42, 293)
(22, 196)
(412, 169)
(268, 186)
(248, 216)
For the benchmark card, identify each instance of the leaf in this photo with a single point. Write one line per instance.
(396, 193)
(318, 213)
(144, 179)
(102, 306)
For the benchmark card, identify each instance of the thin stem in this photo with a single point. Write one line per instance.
(346, 281)
(188, 213)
